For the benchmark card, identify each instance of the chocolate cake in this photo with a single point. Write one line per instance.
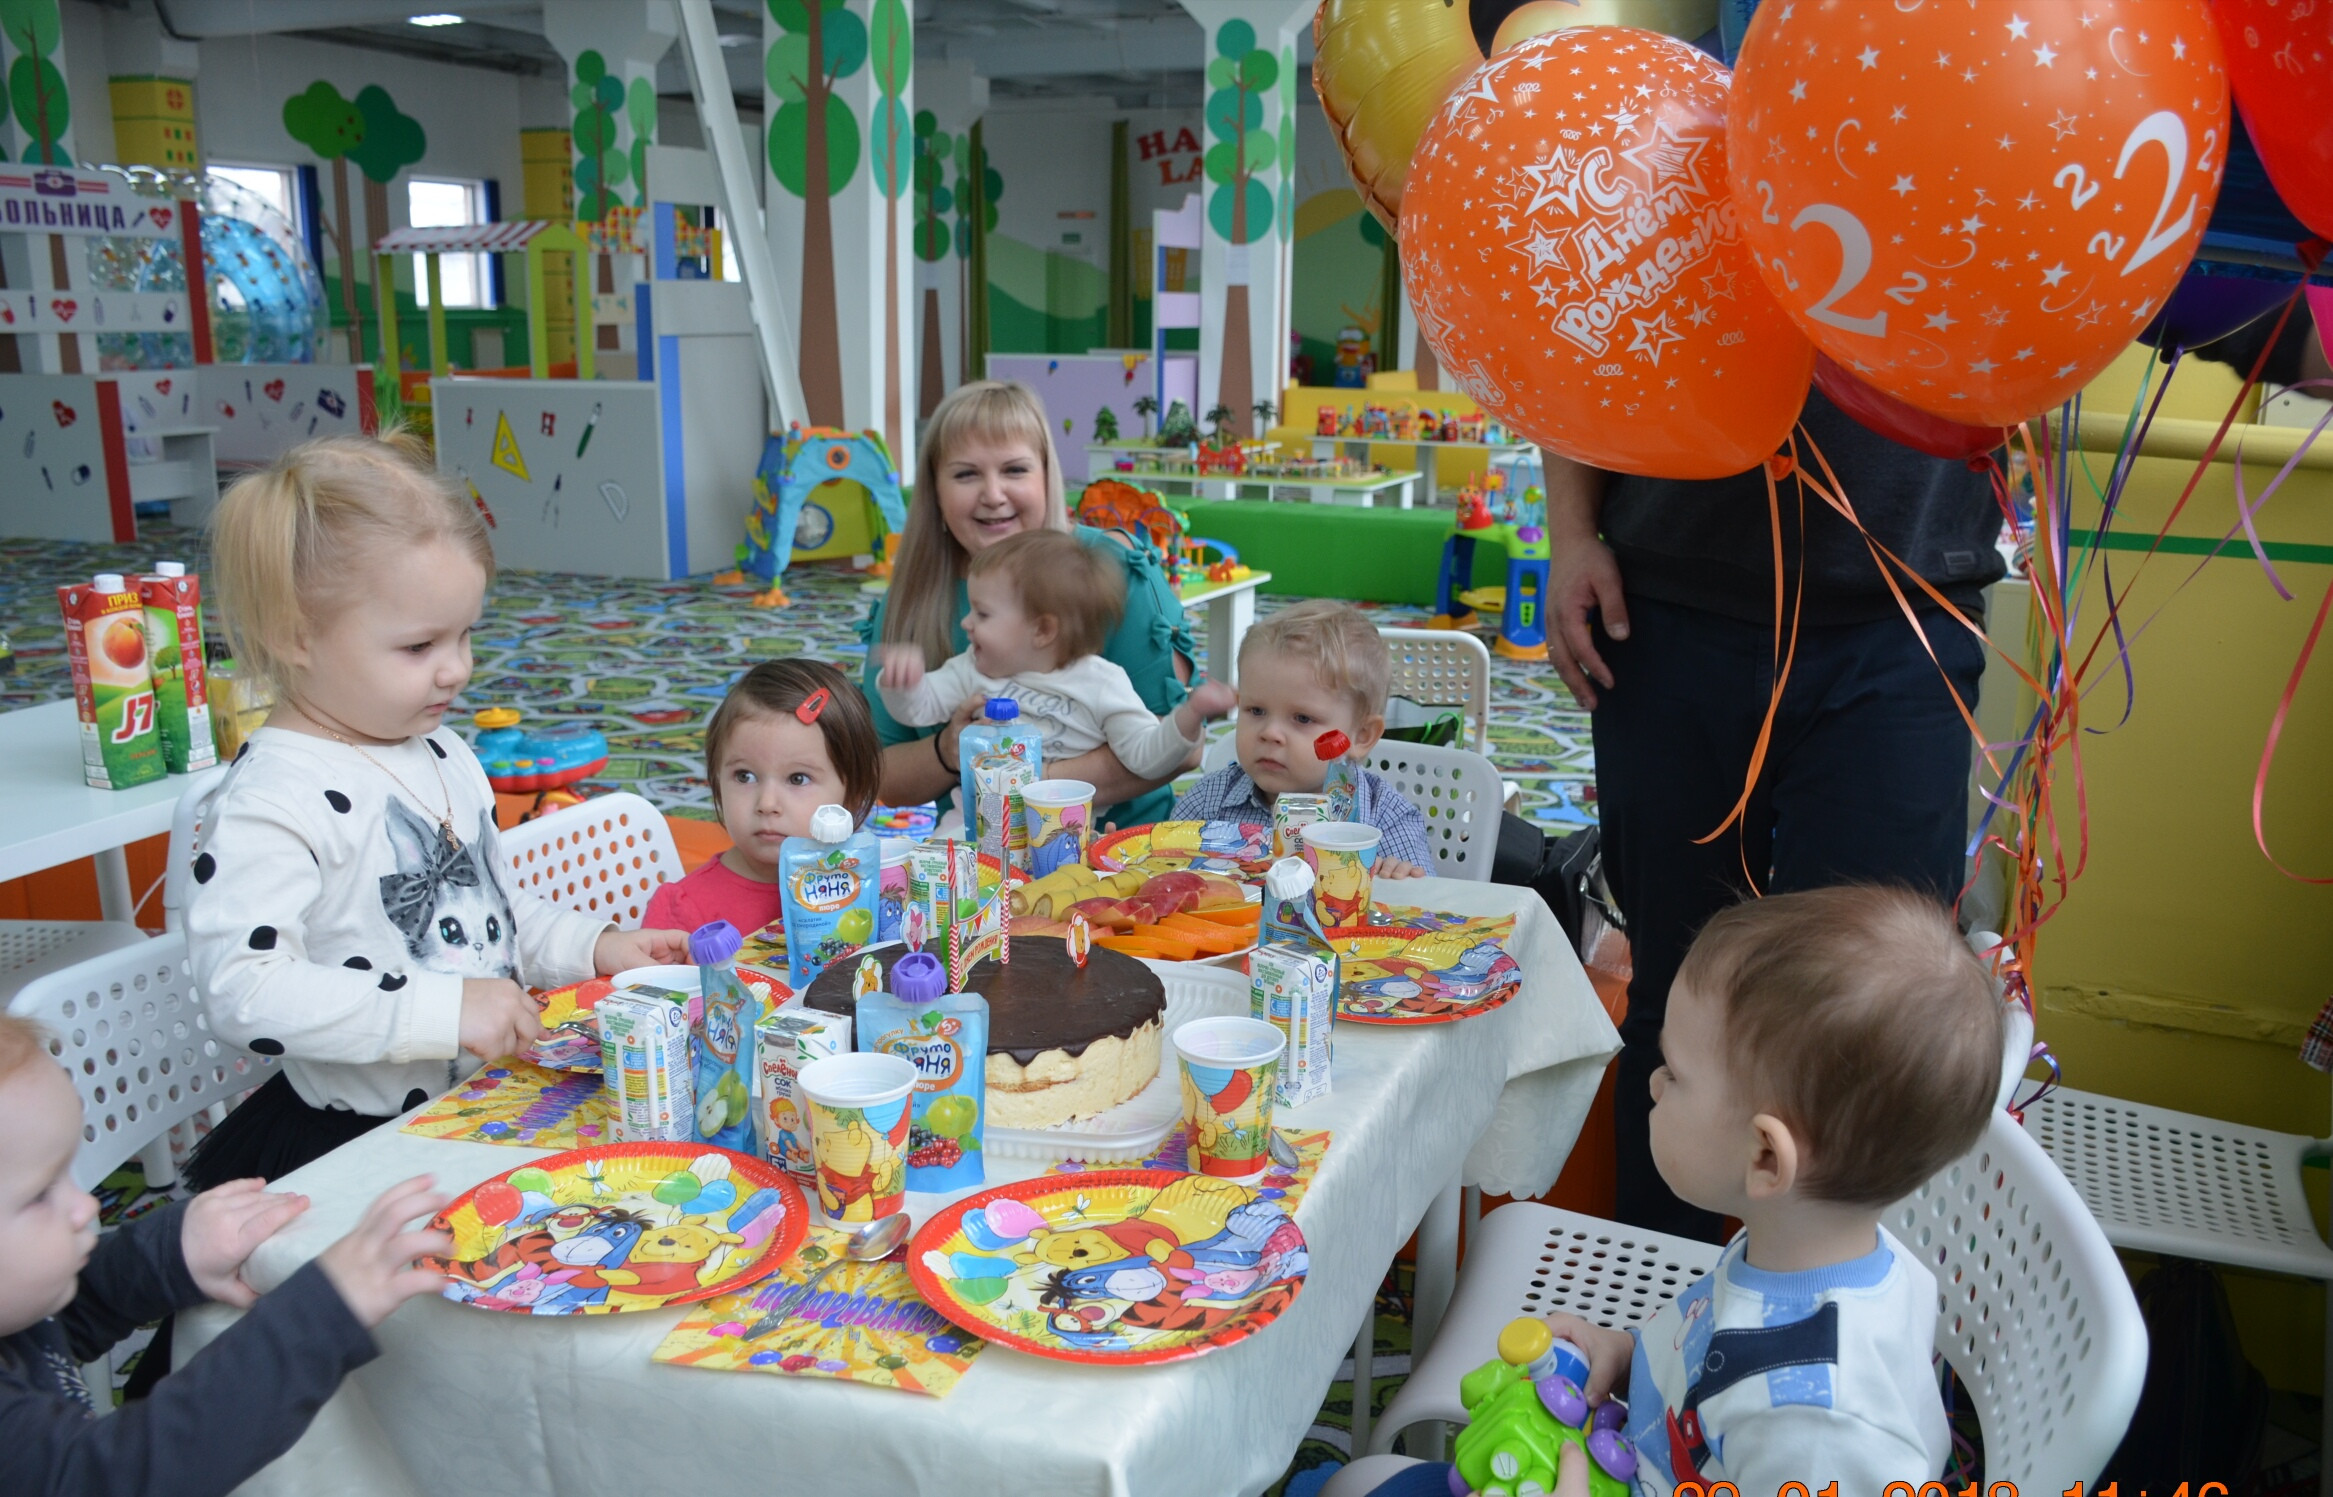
(1063, 1042)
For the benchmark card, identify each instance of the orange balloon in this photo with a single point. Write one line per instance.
(1578, 266)
(1975, 208)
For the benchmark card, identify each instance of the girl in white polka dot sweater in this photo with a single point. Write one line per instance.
(348, 911)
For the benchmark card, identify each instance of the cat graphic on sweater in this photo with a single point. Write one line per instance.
(446, 897)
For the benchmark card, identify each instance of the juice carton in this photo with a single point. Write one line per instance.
(1292, 812)
(722, 1039)
(783, 1043)
(944, 1036)
(1294, 988)
(1000, 754)
(943, 881)
(646, 1058)
(174, 645)
(891, 901)
(828, 883)
(113, 682)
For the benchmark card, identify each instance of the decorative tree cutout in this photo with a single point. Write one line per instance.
(36, 85)
(332, 127)
(1242, 76)
(600, 166)
(890, 156)
(640, 109)
(392, 141)
(935, 206)
(813, 150)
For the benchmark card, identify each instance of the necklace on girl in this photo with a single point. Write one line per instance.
(445, 818)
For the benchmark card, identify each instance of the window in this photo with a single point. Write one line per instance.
(432, 203)
(274, 185)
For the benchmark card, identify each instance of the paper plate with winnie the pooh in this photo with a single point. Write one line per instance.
(1124, 1266)
(619, 1227)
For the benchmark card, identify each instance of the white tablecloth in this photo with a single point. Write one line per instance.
(466, 1400)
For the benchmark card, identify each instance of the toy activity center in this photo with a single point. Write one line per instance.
(1753, 431)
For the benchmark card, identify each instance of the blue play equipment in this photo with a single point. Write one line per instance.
(1519, 524)
(793, 465)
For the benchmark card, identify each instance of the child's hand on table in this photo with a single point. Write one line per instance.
(902, 667)
(1396, 868)
(498, 1018)
(372, 1267)
(622, 950)
(220, 1229)
(1609, 1355)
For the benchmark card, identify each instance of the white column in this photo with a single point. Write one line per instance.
(874, 228)
(1252, 90)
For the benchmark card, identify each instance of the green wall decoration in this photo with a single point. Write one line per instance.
(932, 240)
(640, 109)
(36, 85)
(1242, 75)
(814, 152)
(601, 166)
(331, 126)
(890, 159)
(392, 140)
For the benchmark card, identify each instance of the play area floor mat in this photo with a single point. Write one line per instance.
(647, 662)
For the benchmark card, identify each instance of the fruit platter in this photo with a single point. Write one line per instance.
(1170, 916)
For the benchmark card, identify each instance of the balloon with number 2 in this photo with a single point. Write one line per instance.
(1975, 208)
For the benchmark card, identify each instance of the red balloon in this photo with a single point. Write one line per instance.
(2280, 62)
(1578, 266)
(1976, 207)
(1235, 1091)
(496, 1202)
(1898, 422)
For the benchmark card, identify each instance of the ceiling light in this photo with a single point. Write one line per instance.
(738, 39)
(434, 18)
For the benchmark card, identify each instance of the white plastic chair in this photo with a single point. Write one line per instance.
(2033, 1310)
(2185, 1186)
(130, 1028)
(1459, 792)
(31, 949)
(603, 857)
(1443, 668)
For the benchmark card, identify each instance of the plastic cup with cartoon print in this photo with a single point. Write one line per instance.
(857, 1106)
(1343, 855)
(1231, 1069)
(1059, 815)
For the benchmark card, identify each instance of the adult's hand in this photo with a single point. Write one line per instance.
(1583, 578)
(913, 772)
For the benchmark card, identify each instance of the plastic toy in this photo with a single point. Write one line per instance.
(793, 465)
(1355, 363)
(1105, 426)
(518, 760)
(1376, 420)
(1521, 527)
(1225, 456)
(1523, 1407)
(1226, 567)
(1177, 428)
(1325, 420)
(1110, 504)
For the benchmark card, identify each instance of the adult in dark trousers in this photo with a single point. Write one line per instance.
(1662, 592)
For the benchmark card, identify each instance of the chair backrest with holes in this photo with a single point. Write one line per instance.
(129, 1026)
(1443, 668)
(1458, 791)
(2033, 1309)
(603, 857)
(178, 862)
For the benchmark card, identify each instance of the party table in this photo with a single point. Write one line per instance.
(54, 816)
(462, 1399)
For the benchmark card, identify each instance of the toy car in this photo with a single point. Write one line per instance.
(1523, 1407)
(521, 760)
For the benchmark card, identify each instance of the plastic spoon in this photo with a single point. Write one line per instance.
(868, 1244)
(1283, 1152)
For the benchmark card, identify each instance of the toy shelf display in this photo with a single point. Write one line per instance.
(1217, 472)
(1349, 430)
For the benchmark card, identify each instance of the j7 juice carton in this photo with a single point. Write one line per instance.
(1294, 989)
(174, 644)
(646, 1058)
(113, 682)
(783, 1043)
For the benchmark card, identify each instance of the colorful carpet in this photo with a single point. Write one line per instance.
(647, 662)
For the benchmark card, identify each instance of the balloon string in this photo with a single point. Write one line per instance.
(1784, 654)
(2311, 254)
(2245, 508)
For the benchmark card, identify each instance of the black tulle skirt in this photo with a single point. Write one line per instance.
(270, 1134)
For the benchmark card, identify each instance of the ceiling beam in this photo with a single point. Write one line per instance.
(1137, 46)
(205, 18)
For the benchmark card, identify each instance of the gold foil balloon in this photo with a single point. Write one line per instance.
(1382, 67)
